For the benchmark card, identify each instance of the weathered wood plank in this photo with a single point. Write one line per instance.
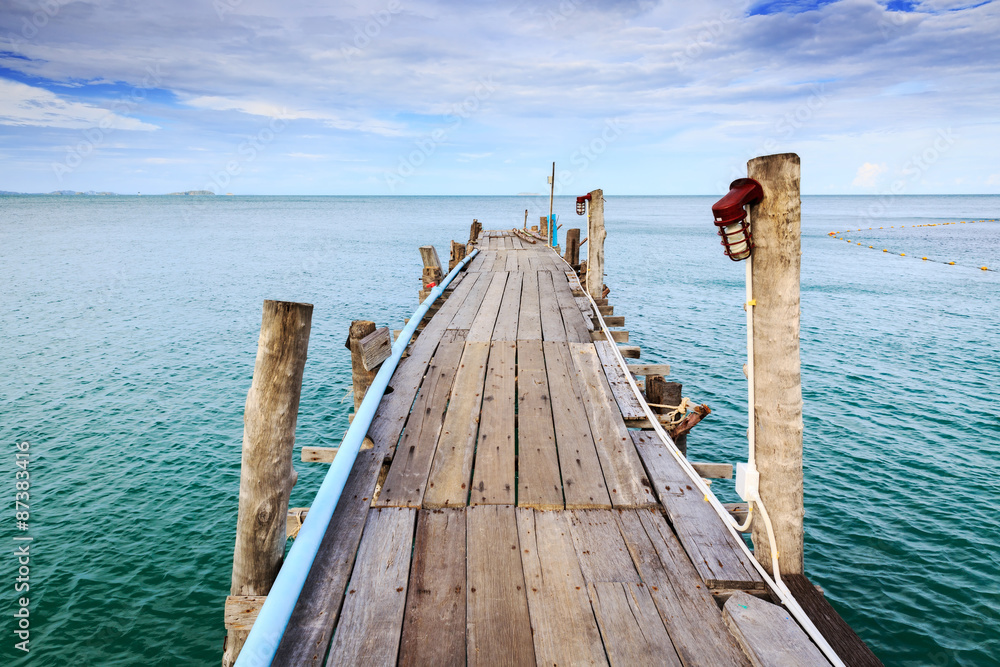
(632, 631)
(649, 369)
(466, 314)
(539, 483)
(493, 479)
(769, 635)
(506, 328)
(616, 335)
(498, 623)
(623, 472)
(583, 480)
(562, 622)
(600, 547)
(713, 470)
(551, 315)
(407, 479)
(511, 262)
(707, 541)
(482, 326)
(434, 623)
(529, 323)
(619, 382)
(376, 347)
(451, 471)
(630, 351)
(372, 620)
(692, 618)
(577, 330)
(241, 611)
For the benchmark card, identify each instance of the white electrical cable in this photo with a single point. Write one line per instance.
(779, 587)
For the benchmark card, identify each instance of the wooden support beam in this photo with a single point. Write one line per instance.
(361, 377)
(266, 473)
(713, 470)
(432, 266)
(612, 320)
(661, 392)
(616, 336)
(573, 247)
(294, 519)
(776, 228)
(649, 369)
(474, 231)
(630, 351)
(595, 251)
(606, 310)
(457, 255)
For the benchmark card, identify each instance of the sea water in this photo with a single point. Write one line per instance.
(130, 327)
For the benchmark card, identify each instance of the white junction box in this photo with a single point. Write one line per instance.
(747, 481)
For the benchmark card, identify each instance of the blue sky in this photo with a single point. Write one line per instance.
(422, 97)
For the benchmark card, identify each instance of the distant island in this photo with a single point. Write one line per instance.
(92, 193)
(194, 192)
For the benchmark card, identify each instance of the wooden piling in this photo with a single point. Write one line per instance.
(573, 248)
(474, 231)
(595, 249)
(776, 228)
(457, 255)
(266, 473)
(361, 378)
(661, 392)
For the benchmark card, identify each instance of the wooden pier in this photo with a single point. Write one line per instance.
(513, 507)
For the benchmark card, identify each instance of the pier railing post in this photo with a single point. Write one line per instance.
(361, 378)
(458, 251)
(432, 270)
(776, 227)
(266, 473)
(573, 248)
(595, 244)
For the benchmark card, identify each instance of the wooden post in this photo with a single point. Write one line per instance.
(543, 226)
(595, 244)
(776, 228)
(266, 473)
(573, 248)
(552, 196)
(474, 231)
(432, 270)
(661, 392)
(360, 378)
(457, 255)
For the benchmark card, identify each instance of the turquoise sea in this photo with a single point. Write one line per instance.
(130, 326)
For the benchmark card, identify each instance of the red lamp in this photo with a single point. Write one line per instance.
(581, 204)
(731, 217)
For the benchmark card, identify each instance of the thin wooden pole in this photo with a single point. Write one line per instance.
(776, 228)
(266, 473)
(573, 248)
(360, 378)
(552, 194)
(595, 247)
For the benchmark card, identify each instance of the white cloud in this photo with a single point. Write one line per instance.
(271, 110)
(868, 173)
(21, 104)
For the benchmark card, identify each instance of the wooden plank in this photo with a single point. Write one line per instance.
(454, 335)
(466, 315)
(508, 243)
(616, 335)
(612, 321)
(529, 323)
(498, 624)
(632, 631)
(434, 623)
(713, 470)
(372, 620)
(449, 479)
(720, 561)
(482, 326)
(562, 622)
(623, 472)
(376, 347)
(506, 328)
(630, 351)
(501, 261)
(577, 330)
(511, 262)
(319, 454)
(493, 479)
(769, 635)
(649, 369)
(518, 244)
(619, 382)
(841, 637)
(293, 521)
(692, 618)
(600, 548)
(407, 479)
(551, 315)
(583, 480)
(539, 482)
(241, 611)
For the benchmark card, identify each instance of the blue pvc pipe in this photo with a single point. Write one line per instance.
(265, 635)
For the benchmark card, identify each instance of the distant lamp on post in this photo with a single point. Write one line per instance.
(581, 204)
(731, 217)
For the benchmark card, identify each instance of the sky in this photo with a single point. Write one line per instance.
(416, 97)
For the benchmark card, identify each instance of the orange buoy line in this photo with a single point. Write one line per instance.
(837, 236)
